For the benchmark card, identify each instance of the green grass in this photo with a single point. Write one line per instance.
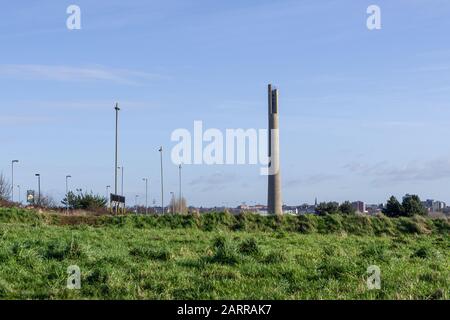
(222, 257)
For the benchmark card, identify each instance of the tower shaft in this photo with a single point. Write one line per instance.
(274, 202)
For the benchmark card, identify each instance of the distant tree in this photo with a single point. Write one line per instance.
(393, 208)
(5, 188)
(178, 206)
(413, 206)
(325, 208)
(346, 208)
(47, 201)
(84, 201)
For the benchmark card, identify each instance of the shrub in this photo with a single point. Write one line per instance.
(150, 253)
(307, 223)
(326, 208)
(60, 250)
(212, 221)
(224, 252)
(84, 201)
(249, 247)
(275, 257)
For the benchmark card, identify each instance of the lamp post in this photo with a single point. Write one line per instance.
(121, 174)
(173, 202)
(179, 201)
(18, 187)
(136, 203)
(38, 175)
(12, 179)
(67, 192)
(162, 180)
(107, 195)
(116, 150)
(146, 194)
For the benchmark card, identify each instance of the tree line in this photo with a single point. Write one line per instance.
(410, 206)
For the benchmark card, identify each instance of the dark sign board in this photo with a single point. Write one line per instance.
(30, 196)
(117, 198)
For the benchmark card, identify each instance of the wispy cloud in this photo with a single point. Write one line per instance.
(78, 74)
(20, 120)
(383, 172)
(311, 179)
(217, 180)
(76, 104)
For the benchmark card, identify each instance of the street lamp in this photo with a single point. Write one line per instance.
(39, 188)
(121, 168)
(12, 179)
(179, 201)
(136, 203)
(18, 187)
(173, 202)
(67, 191)
(116, 150)
(162, 180)
(146, 194)
(107, 195)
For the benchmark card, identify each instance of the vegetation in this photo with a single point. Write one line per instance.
(410, 207)
(84, 201)
(5, 188)
(219, 256)
(326, 208)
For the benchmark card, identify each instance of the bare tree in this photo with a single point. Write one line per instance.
(5, 188)
(178, 206)
(47, 201)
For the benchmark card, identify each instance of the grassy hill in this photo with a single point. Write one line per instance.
(219, 256)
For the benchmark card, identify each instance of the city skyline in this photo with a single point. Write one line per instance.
(365, 113)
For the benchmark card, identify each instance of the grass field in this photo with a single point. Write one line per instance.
(220, 257)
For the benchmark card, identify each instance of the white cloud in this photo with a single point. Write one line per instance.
(70, 73)
(18, 120)
(383, 172)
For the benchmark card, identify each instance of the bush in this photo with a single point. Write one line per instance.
(84, 201)
(151, 253)
(212, 221)
(275, 257)
(307, 224)
(249, 247)
(224, 252)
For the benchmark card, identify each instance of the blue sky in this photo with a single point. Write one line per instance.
(363, 114)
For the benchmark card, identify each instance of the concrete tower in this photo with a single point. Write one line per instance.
(274, 202)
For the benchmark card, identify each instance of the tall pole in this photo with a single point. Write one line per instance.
(18, 187)
(121, 176)
(162, 180)
(135, 203)
(67, 191)
(146, 194)
(116, 152)
(122, 181)
(274, 202)
(173, 203)
(107, 196)
(180, 197)
(12, 179)
(39, 188)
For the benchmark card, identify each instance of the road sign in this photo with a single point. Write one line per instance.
(30, 196)
(117, 198)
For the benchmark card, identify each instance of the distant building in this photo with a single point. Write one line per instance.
(374, 209)
(306, 209)
(434, 206)
(359, 206)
